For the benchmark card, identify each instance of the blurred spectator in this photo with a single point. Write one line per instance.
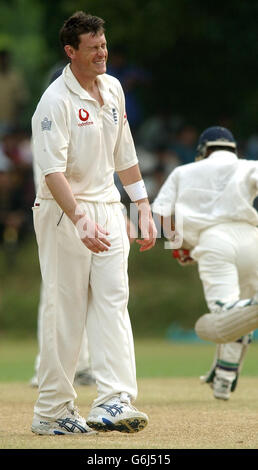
(148, 164)
(16, 187)
(54, 72)
(156, 136)
(159, 130)
(131, 78)
(251, 149)
(13, 92)
(184, 145)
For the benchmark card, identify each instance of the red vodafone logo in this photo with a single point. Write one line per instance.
(83, 115)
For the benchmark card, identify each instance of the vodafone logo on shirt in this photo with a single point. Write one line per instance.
(84, 116)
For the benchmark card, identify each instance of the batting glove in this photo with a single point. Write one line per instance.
(183, 257)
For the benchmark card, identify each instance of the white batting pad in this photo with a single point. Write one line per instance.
(228, 325)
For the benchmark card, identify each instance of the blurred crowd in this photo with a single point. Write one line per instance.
(16, 177)
(163, 141)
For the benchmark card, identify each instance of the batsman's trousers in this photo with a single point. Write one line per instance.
(227, 257)
(81, 287)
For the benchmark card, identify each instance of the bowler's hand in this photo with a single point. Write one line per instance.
(92, 235)
(148, 228)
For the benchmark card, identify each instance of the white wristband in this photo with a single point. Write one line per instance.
(136, 191)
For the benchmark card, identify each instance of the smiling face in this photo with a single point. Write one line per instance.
(91, 56)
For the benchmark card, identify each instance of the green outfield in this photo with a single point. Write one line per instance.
(183, 413)
(154, 357)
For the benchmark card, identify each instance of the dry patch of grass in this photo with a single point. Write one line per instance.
(182, 412)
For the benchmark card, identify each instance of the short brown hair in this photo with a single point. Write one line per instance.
(79, 23)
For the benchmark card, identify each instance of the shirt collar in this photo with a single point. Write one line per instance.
(222, 154)
(73, 84)
(104, 88)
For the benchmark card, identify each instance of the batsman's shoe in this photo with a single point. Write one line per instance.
(84, 377)
(117, 415)
(221, 388)
(70, 423)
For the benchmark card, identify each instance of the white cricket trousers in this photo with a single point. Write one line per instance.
(81, 287)
(227, 256)
(84, 357)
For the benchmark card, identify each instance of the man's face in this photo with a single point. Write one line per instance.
(91, 54)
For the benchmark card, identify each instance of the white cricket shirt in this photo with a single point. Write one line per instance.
(218, 189)
(73, 134)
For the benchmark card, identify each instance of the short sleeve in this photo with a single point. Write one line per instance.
(50, 135)
(125, 154)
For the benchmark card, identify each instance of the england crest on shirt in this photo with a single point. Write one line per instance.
(46, 124)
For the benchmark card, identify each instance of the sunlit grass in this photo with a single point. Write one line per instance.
(154, 358)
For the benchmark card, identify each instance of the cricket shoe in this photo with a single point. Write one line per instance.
(221, 388)
(117, 414)
(70, 423)
(84, 377)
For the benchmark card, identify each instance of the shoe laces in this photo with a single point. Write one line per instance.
(122, 399)
(125, 400)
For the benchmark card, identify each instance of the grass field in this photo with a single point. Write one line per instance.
(154, 358)
(183, 414)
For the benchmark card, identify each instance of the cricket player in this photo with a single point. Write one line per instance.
(214, 198)
(235, 320)
(80, 138)
(84, 374)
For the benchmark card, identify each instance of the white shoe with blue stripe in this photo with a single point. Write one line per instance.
(70, 423)
(117, 414)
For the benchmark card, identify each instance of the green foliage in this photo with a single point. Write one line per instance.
(19, 290)
(162, 292)
(202, 55)
(20, 32)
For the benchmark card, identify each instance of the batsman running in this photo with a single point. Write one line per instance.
(214, 198)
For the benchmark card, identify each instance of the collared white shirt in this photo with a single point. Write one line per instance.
(73, 134)
(218, 189)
